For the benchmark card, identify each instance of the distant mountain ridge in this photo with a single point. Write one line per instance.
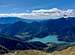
(40, 29)
(10, 20)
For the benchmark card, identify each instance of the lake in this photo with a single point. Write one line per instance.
(50, 38)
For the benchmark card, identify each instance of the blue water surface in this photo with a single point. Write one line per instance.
(50, 38)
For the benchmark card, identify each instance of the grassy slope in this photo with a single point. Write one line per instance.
(68, 51)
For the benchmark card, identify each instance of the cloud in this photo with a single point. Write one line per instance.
(53, 13)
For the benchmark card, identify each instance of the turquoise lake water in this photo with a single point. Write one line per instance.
(50, 38)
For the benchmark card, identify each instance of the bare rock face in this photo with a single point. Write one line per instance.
(3, 50)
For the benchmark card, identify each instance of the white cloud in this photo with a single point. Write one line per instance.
(53, 13)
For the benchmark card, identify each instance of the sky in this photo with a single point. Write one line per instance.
(21, 6)
(37, 9)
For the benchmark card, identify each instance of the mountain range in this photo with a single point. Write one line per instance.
(63, 27)
(19, 31)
